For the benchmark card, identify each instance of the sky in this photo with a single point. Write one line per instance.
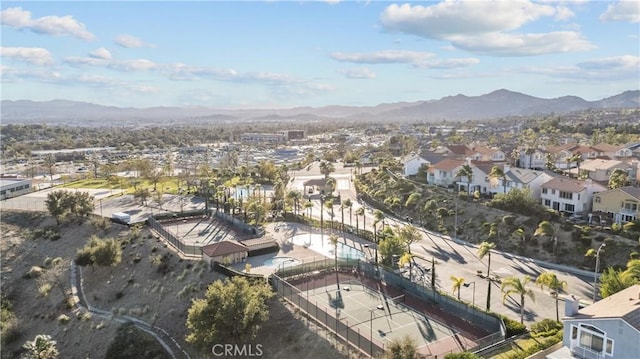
(284, 54)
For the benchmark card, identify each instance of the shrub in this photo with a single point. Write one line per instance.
(34, 272)
(545, 328)
(63, 319)
(44, 289)
(463, 355)
(513, 327)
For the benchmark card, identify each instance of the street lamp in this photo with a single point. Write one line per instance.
(466, 285)
(321, 220)
(595, 273)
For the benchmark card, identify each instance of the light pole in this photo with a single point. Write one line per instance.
(321, 220)
(595, 273)
(281, 266)
(371, 331)
(466, 285)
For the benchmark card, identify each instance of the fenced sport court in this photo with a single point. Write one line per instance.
(369, 315)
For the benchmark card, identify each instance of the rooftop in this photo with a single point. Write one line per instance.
(624, 304)
(223, 248)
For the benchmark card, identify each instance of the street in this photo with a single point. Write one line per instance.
(458, 258)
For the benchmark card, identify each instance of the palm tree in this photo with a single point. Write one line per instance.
(342, 207)
(330, 185)
(333, 239)
(348, 204)
(409, 235)
(294, 197)
(485, 249)
(551, 281)
(326, 168)
(514, 285)
(359, 212)
(529, 151)
(619, 178)
(498, 172)
(467, 172)
(577, 158)
(309, 207)
(457, 283)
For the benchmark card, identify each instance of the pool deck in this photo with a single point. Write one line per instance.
(290, 237)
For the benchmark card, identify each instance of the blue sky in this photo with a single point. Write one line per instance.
(288, 54)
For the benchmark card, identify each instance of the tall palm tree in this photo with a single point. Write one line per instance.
(485, 250)
(551, 281)
(342, 207)
(467, 172)
(294, 197)
(308, 205)
(333, 239)
(409, 235)
(359, 212)
(457, 283)
(348, 204)
(529, 151)
(514, 285)
(498, 172)
(330, 185)
(326, 168)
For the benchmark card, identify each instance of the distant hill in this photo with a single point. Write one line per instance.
(499, 103)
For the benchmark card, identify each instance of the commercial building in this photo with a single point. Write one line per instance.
(14, 186)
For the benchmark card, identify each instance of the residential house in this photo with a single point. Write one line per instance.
(480, 180)
(631, 147)
(607, 329)
(536, 159)
(484, 153)
(412, 163)
(569, 195)
(621, 204)
(522, 178)
(599, 169)
(610, 151)
(444, 172)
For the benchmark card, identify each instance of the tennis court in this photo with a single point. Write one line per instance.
(384, 319)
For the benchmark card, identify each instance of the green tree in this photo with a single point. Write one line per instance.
(619, 178)
(498, 172)
(463, 355)
(514, 285)
(100, 252)
(409, 235)
(231, 312)
(347, 203)
(457, 283)
(467, 172)
(485, 250)
(360, 212)
(57, 204)
(401, 348)
(389, 247)
(555, 285)
(333, 239)
(41, 347)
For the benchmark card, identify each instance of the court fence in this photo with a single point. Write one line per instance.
(327, 317)
(473, 315)
(159, 227)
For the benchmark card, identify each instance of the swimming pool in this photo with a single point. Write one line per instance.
(322, 245)
(277, 262)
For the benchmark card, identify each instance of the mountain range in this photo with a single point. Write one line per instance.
(497, 104)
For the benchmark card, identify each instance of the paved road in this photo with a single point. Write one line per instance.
(458, 258)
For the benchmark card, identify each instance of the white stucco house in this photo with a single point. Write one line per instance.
(569, 195)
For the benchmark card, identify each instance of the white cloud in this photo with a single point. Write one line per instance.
(130, 42)
(33, 55)
(601, 69)
(503, 44)
(462, 17)
(134, 65)
(628, 11)
(485, 27)
(414, 58)
(20, 19)
(384, 57)
(627, 62)
(359, 73)
(101, 53)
